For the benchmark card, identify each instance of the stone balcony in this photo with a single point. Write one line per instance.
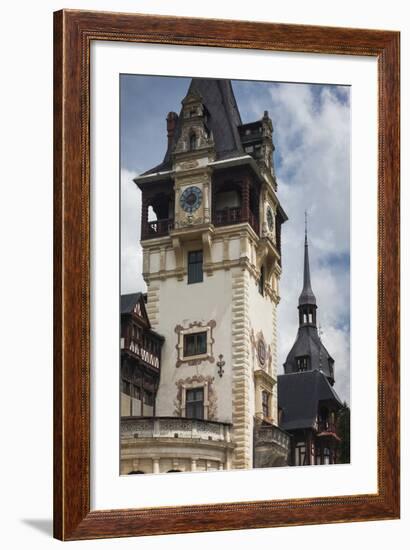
(157, 444)
(175, 428)
(272, 446)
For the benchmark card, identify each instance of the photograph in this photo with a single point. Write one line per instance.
(235, 274)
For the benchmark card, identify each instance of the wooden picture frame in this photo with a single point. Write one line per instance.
(74, 32)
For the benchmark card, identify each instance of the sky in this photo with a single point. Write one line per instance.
(312, 162)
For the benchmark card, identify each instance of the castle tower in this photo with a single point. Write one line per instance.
(308, 352)
(210, 228)
(308, 404)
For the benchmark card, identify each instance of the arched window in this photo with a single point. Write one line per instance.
(192, 141)
(173, 471)
(136, 472)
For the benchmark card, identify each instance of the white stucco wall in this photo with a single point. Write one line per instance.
(182, 304)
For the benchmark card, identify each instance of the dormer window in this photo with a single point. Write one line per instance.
(192, 141)
(303, 363)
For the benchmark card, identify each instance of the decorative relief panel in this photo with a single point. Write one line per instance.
(262, 354)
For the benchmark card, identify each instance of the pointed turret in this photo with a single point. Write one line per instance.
(306, 298)
(308, 352)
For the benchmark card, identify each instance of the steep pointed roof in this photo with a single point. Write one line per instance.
(223, 120)
(308, 351)
(218, 97)
(306, 297)
(299, 397)
(309, 344)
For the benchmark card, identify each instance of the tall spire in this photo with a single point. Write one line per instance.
(306, 297)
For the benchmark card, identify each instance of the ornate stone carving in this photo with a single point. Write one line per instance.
(260, 351)
(210, 399)
(190, 329)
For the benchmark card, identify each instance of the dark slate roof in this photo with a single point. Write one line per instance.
(128, 301)
(308, 343)
(224, 119)
(306, 297)
(299, 395)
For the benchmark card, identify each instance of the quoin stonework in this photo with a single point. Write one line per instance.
(199, 372)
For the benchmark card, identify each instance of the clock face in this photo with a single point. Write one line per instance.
(269, 218)
(191, 199)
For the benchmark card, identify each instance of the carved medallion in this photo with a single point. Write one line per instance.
(269, 218)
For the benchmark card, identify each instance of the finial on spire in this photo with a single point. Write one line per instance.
(306, 227)
(307, 296)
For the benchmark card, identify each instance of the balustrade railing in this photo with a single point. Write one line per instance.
(175, 427)
(233, 215)
(273, 434)
(145, 350)
(157, 228)
(325, 426)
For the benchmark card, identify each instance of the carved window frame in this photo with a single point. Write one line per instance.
(193, 328)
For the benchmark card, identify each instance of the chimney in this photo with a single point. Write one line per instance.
(172, 120)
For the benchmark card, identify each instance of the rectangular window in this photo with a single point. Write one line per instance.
(300, 455)
(194, 403)
(136, 392)
(303, 363)
(265, 404)
(261, 282)
(195, 344)
(148, 398)
(195, 267)
(125, 387)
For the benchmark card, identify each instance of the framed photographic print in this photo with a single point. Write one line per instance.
(226, 275)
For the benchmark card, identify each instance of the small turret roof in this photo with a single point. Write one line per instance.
(309, 344)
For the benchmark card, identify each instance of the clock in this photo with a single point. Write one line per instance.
(191, 199)
(269, 218)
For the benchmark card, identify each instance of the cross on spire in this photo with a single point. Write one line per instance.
(306, 227)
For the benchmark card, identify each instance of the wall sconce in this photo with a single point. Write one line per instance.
(220, 364)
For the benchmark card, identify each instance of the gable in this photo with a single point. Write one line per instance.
(134, 304)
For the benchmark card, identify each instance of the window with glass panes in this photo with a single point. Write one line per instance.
(125, 387)
(265, 403)
(303, 363)
(194, 403)
(300, 454)
(261, 282)
(195, 267)
(194, 344)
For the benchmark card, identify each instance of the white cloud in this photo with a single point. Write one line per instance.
(131, 251)
(313, 140)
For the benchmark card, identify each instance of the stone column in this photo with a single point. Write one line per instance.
(245, 199)
(144, 215)
(193, 464)
(206, 202)
(155, 465)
